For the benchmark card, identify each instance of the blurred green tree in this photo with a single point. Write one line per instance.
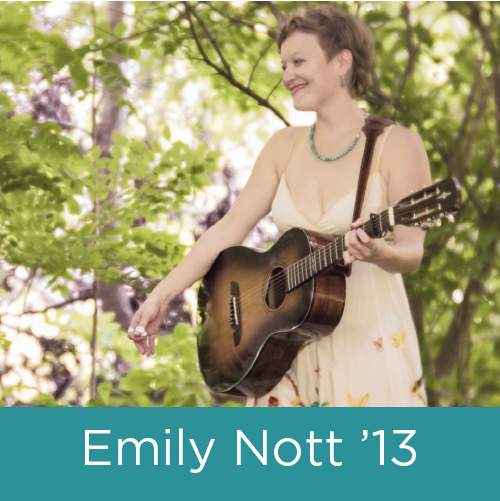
(93, 187)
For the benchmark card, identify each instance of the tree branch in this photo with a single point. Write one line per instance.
(377, 97)
(412, 53)
(273, 89)
(465, 119)
(485, 33)
(135, 35)
(275, 11)
(223, 71)
(473, 134)
(261, 55)
(82, 296)
(458, 331)
(472, 197)
(238, 20)
(190, 11)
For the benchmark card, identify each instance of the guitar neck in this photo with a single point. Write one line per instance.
(332, 253)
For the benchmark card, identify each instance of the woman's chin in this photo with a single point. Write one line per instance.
(298, 103)
(302, 106)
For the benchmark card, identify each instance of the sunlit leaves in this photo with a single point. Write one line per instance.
(69, 208)
(175, 381)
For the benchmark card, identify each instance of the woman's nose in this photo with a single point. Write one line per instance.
(288, 76)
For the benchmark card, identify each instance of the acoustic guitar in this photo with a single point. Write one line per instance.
(251, 302)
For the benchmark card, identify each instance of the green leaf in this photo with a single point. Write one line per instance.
(199, 154)
(120, 29)
(79, 74)
(166, 132)
(156, 146)
(125, 102)
(43, 400)
(94, 153)
(213, 156)
(116, 90)
(113, 273)
(211, 167)
(104, 389)
(116, 152)
(4, 342)
(73, 206)
(201, 180)
(63, 56)
(156, 250)
(120, 139)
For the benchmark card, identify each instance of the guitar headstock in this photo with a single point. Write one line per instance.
(429, 205)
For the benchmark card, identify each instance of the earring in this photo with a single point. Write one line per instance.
(342, 84)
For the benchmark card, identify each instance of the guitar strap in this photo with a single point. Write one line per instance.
(373, 127)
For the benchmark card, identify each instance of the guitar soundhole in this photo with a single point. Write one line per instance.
(276, 289)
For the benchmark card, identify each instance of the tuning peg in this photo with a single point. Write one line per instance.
(450, 218)
(424, 227)
(438, 222)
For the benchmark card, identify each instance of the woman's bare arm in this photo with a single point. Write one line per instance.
(405, 166)
(253, 203)
(405, 160)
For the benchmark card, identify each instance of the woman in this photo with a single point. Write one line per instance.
(308, 177)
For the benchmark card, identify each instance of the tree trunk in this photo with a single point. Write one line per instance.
(112, 297)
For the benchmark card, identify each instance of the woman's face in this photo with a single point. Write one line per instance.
(308, 75)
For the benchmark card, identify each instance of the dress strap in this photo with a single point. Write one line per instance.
(290, 151)
(381, 147)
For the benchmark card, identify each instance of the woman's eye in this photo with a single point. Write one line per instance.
(295, 61)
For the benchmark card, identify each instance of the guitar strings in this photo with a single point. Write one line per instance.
(252, 296)
(302, 264)
(301, 269)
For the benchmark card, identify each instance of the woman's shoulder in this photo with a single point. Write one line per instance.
(402, 146)
(399, 143)
(280, 145)
(286, 135)
(400, 139)
(276, 150)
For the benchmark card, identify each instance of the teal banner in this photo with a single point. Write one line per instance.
(224, 453)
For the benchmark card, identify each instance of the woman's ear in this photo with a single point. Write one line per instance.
(344, 58)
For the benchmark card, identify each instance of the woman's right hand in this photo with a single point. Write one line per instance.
(145, 324)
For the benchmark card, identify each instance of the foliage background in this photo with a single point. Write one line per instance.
(127, 129)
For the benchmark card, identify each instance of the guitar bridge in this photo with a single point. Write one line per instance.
(234, 313)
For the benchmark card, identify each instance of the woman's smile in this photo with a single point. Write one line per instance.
(294, 89)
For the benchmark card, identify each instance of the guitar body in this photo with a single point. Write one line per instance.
(251, 303)
(246, 335)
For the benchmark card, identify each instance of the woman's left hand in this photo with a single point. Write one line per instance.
(359, 246)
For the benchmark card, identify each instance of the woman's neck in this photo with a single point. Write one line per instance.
(340, 115)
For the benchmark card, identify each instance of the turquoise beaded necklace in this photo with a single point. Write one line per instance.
(336, 157)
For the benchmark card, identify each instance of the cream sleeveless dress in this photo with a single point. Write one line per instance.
(372, 357)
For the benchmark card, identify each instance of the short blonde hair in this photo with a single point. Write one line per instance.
(336, 31)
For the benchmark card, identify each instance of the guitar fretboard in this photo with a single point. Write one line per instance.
(330, 254)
